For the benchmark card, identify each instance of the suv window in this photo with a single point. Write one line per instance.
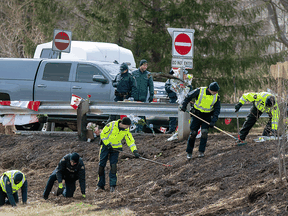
(49, 53)
(57, 71)
(85, 73)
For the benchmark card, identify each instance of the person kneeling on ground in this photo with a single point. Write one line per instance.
(70, 168)
(11, 182)
(111, 138)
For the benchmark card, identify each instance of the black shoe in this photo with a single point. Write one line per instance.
(112, 188)
(45, 197)
(241, 142)
(169, 132)
(99, 189)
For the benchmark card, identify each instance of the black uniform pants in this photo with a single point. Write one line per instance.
(251, 119)
(69, 188)
(3, 195)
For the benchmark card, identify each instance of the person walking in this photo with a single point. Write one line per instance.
(70, 168)
(144, 81)
(172, 92)
(111, 137)
(262, 102)
(11, 181)
(207, 106)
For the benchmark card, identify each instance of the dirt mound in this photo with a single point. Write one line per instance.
(229, 180)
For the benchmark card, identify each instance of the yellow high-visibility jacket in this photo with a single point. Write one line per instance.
(10, 174)
(205, 102)
(259, 100)
(111, 134)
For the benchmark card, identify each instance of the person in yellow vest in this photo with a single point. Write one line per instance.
(111, 137)
(262, 102)
(11, 181)
(207, 106)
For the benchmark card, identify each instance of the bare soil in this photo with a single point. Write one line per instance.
(229, 180)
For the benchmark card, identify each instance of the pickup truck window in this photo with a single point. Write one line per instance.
(57, 71)
(85, 73)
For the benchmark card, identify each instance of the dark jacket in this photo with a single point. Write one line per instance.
(168, 89)
(125, 83)
(9, 191)
(144, 81)
(195, 94)
(69, 173)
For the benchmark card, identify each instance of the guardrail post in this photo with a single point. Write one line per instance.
(183, 125)
(83, 108)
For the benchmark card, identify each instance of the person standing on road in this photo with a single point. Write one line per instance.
(125, 85)
(70, 168)
(262, 102)
(144, 80)
(207, 106)
(111, 137)
(172, 94)
(11, 182)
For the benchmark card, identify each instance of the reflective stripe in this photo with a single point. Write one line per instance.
(119, 144)
(110, 132)
(243, 99)
(132, 145)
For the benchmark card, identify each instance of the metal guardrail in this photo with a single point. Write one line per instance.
(124, 108)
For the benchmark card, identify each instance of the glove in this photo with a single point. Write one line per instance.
(150, 99)
(183, 109)
(83, 195)
(60, 189)
(136, 153)
(238, 106)
(212, 124)
(109, 146)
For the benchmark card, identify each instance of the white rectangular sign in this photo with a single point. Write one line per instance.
(179, 62)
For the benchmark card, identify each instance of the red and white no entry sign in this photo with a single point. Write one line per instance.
(183, 44)
(62, 40)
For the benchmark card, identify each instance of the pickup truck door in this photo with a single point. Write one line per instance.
(53, 81)
(84, 84)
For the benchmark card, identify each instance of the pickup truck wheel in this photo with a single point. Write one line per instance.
(30, 127)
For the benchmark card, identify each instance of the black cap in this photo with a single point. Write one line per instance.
(75, 157)
(123, 67)
(214, 86)
(126, 121)
(270, 101)
(18, 177)
(171, 72)
(143, 61)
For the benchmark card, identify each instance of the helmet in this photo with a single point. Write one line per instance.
(123, 67)
(270, 101)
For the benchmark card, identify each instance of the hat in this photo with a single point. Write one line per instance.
(214, 86)
(171, 72)
(126, 121)
(75, 157)
(18, 177)
(123, 67)
(143, 61)
(270, 101)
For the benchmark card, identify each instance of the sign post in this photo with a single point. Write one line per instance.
(62, 41)
(182, 57)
